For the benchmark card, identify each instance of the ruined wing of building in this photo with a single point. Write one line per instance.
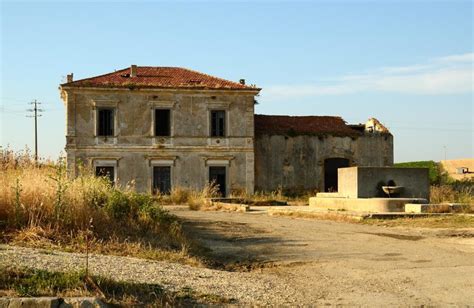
(165, 127)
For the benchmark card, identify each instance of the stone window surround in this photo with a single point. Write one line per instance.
(112, 104)
(106, 162)
(224, 106)
(165, 161)
(219, 161)
(224, 140)
(161, 104)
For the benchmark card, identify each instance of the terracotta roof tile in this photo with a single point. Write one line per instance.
(302, 125)
(159, 77)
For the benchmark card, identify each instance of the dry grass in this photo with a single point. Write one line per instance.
(461, 192)
(276, 197)
(199, 200)
(39, 206)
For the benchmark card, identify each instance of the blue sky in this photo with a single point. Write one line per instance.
(407, 63)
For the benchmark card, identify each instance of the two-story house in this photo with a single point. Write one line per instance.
(162, 127)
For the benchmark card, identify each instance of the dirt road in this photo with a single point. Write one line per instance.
(343, 263)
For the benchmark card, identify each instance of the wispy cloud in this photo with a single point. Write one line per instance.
(452, 74)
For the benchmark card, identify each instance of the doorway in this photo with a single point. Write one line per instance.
(217, 175)
(162, 179)
(330, 172)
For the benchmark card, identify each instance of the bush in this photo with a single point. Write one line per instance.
(435, 174)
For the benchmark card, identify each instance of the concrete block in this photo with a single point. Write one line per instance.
(434, 208)
(364, 182)
(416, 208)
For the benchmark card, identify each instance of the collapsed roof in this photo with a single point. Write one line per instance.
(310, 125)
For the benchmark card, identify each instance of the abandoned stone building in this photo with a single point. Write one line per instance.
(163, 127)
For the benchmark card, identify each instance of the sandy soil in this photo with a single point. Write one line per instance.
(342, 263)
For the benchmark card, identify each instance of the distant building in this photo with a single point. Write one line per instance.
(458, 169)
(165, 127)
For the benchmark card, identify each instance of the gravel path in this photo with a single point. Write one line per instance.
(245, 288)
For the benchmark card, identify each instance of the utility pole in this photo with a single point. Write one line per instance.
(35, 110)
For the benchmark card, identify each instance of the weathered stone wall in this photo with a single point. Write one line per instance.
(189, 148)
(297, 163)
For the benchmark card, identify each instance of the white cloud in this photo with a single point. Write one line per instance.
(445, 75)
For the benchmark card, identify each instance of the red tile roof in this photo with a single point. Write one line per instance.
(302, 125)
(159, 77)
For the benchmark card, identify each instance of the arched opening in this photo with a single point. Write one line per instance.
(330, 172)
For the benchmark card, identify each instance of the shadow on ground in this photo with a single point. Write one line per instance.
(235, 246)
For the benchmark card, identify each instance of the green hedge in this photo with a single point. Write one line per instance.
(434, 173)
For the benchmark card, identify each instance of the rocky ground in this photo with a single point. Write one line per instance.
(278, 260)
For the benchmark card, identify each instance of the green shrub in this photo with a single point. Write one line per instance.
(435, 175)
(118, 205)
(28, 282)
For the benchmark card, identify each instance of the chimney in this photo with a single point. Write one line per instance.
(133, 70)
(242, 81)
(70, 78)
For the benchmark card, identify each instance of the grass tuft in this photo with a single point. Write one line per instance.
(33, 282)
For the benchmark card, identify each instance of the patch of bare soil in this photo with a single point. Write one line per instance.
(335, 263)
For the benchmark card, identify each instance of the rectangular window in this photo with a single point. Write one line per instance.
(106, 171)
(217, 176)
(162, 122)
(217, 123)
(105, 122)
(162, 179)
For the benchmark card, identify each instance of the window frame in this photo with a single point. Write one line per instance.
(105, 104)
(155, 122)
(112, 120)
(224, 125)
(112, 179)
(107, 162)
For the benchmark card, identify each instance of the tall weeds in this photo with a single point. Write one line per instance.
(458, 192)
(42, 199)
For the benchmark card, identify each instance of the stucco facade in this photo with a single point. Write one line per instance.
(299, 154)
(297, 163)
(133, 150)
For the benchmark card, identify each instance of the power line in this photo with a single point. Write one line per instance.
(35, 114)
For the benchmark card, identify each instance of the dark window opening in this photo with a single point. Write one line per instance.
(330, 172)
(161, 180)
(217, 176)
(162, 122)
(218, 123)
(107, 172)
(105, 122)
